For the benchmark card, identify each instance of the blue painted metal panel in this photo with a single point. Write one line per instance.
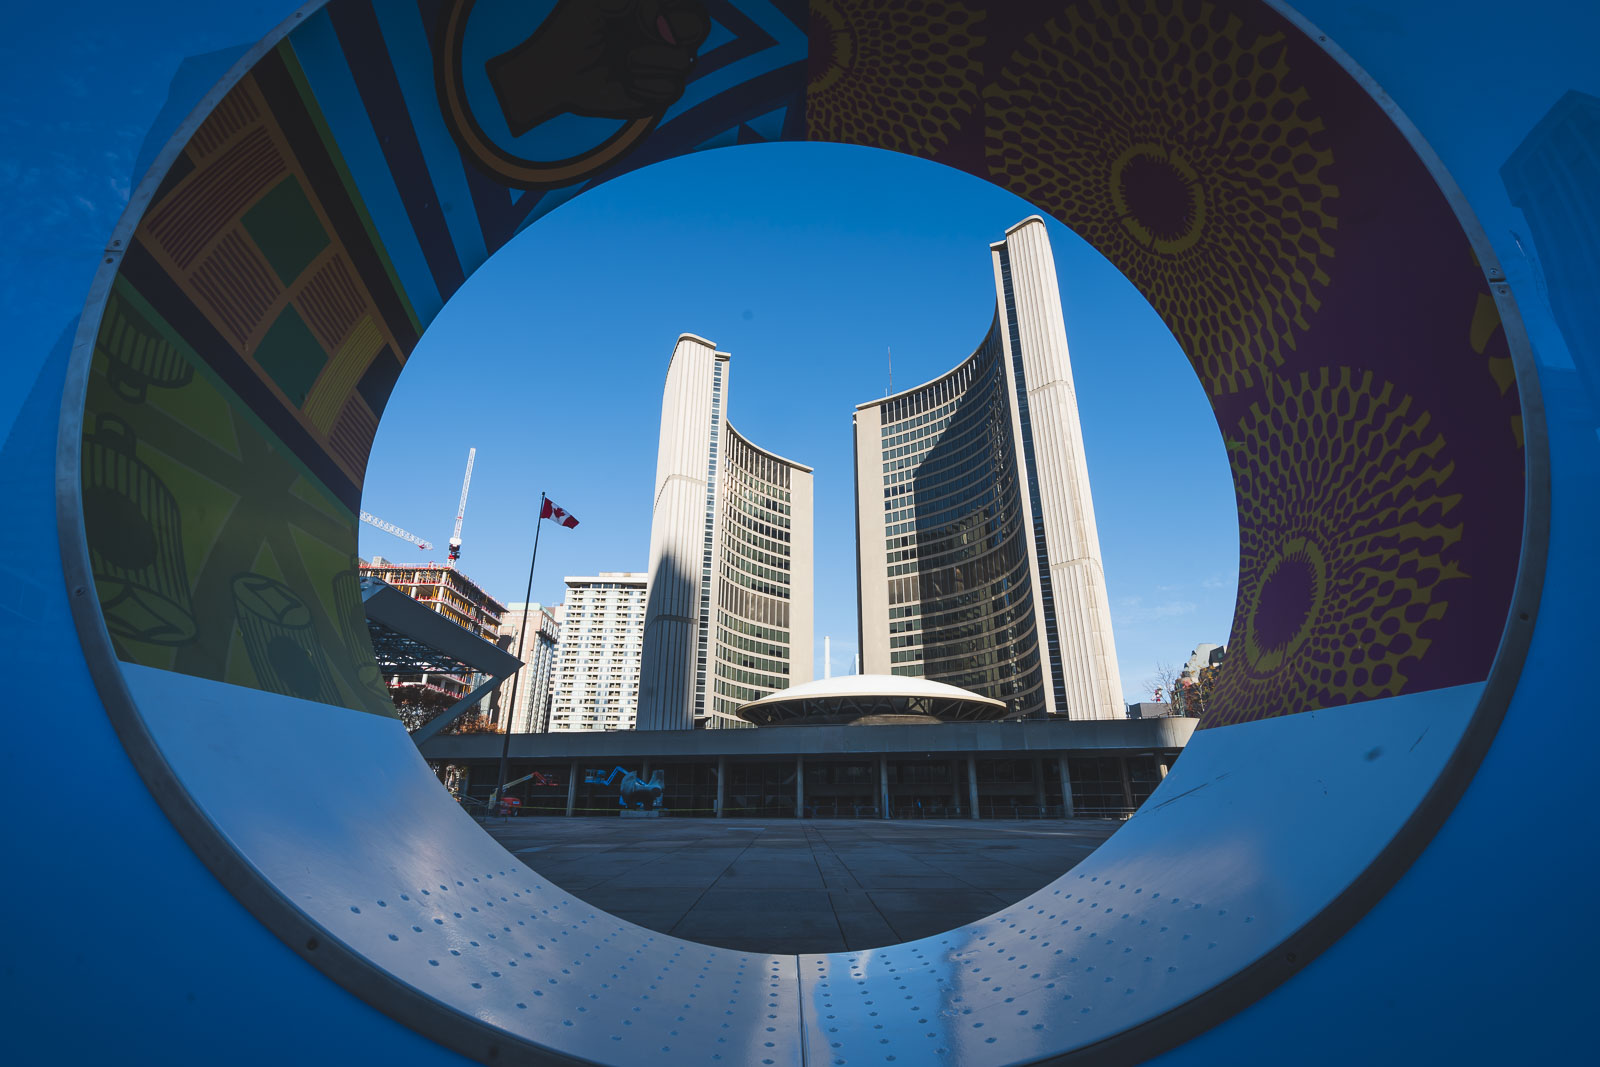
(1479, 954)
(121, 944)
(1484, 952)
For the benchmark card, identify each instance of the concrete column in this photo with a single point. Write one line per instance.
(1067, 808)
(883, 786)
(572, 787)
(799, 787)
(972, 783)
(1161, 767)
(1038, 783)
(722, 778)
(1127, 783)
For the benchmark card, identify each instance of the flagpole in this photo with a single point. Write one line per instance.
(522, 633)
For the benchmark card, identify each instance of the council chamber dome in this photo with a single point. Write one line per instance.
(871, 700)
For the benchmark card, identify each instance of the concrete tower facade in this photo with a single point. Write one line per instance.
(977, 553)
(729, 610)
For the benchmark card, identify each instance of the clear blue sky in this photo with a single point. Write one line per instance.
(806, 262)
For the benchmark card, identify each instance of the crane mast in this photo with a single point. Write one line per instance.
(389, 527)
(461, 510)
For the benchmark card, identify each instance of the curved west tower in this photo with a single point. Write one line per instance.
(728, 614)
(978, 556)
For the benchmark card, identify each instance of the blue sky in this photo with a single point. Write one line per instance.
(807, 263)
(908, 270)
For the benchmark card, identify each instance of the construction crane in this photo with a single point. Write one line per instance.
(461, 511)
(389, 527)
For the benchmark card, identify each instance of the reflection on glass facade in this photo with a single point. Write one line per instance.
(978, 560)
(755, 580)
(961, 596)
(935, 786)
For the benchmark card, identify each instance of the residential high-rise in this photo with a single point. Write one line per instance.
(978, 561)
(730, 612)
(596, 685)
(532, 696)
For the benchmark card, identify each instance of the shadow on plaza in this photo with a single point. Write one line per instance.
(790, 887)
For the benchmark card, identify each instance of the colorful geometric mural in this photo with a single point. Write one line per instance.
(1192, 155)
(1273, 215)
(1259, 199)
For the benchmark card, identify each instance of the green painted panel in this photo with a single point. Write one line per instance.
(286, 229)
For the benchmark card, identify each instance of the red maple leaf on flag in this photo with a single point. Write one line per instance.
(560, 515)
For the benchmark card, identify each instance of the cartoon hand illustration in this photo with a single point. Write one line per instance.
(615, 59)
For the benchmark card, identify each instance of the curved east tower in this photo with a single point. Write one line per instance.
(728, 614)
(977, 554)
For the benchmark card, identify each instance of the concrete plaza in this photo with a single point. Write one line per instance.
(787, 886)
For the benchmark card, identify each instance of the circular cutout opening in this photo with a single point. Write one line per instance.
(801, 299)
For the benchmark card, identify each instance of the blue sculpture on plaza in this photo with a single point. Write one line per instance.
(634, 791)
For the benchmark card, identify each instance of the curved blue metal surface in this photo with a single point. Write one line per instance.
(1479, 953)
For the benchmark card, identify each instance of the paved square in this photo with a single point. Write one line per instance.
(787, 886)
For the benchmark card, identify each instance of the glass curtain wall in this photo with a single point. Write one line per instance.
(961, 607)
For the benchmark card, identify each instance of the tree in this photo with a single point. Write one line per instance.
(474, 722)
(1192, 695)
(418, 705)
(1205, 684)
(1164, 684)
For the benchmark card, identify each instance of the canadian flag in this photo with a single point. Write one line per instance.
(558, 514)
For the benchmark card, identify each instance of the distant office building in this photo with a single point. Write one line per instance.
(730, 605)
(596, 684)
(532, 697)
(1202, 656)
(1554, 177)
(453, 595)
(978, 560)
